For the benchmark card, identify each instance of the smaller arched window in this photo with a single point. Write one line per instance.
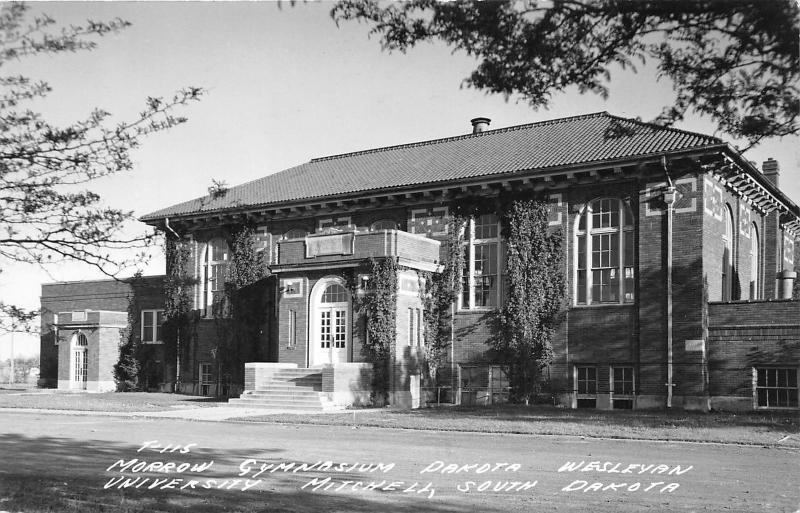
(605, 253)
(335, 293)
(755, 263)
(295, 233)
(383, 224)
(79, 340)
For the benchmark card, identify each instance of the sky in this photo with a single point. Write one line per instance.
(284, 85)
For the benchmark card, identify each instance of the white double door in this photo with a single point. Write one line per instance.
(332, 333)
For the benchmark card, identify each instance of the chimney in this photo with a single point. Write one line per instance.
(479, 124)
(771, 170)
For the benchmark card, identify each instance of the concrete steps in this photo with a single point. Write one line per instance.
(287, 389)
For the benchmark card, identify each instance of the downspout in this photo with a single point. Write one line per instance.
(669, 200)
(178, 333)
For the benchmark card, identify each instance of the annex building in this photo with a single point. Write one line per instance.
(679, 258)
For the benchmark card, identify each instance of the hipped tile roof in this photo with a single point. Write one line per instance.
(544, 145)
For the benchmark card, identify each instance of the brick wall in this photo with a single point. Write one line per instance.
(108, 295)
(743, 335)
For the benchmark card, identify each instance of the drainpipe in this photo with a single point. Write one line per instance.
(669, 199)
(178, 334)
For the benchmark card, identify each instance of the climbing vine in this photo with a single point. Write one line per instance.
(180, 321)
(136, 368)
(438, 292)
(239, 315)
(535, 296)
(379, 306)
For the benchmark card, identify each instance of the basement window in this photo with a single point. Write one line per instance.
(776, 387)
(622, 388)
(586, 386)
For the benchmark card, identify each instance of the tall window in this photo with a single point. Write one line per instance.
(481, 279)
(604, 267)
(727, 256)
(152, 321)
(755, 264)
(215, 265)
(776, 388)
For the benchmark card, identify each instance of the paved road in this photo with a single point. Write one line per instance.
(257, 467)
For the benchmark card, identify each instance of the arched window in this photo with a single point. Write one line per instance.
(335, 293)
(295, 233)
(604, 253)
(727, 256)
(383, 224)
(79, 340)
(755, 263)
(215, 266)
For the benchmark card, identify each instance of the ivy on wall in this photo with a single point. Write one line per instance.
(136, 368)
(240, 314)
(180, 321)
(535, 296)
(438, 293)
(379, 306)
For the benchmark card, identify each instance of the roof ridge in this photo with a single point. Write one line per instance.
(671, 128)
(464, 136)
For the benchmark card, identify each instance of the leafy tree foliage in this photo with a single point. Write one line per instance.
(733, 60)
(46, 214)
(536, 291)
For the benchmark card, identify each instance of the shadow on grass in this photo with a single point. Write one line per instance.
(44, 474)
(519, 413)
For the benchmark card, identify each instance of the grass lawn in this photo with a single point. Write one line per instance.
(762, 428)
(109, 401)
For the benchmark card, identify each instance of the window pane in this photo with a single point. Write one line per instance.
(762, 397)
(335, 293)
(159, 325)
(465, 280)
(582, 252)
(486, 227)
(341, 329)
(582, 287)
(147, 326)
(219, 250)
(325, 329)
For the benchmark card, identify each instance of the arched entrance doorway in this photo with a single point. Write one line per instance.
(330, 322)
(79, 365)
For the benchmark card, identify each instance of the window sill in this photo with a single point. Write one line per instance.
(603, 305)
(157, 343)
(477, 310)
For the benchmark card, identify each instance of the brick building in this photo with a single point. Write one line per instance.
(84, 322)
(678, 255)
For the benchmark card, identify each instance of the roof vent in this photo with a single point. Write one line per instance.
(479, 124)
